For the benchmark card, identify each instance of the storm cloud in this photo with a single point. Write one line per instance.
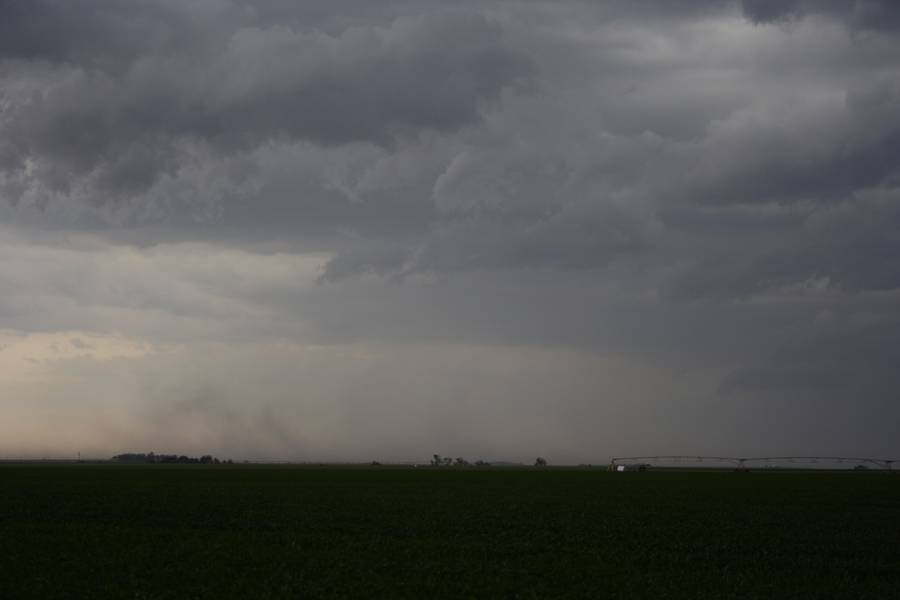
(342, 229)
(113, 116)
(858, 14)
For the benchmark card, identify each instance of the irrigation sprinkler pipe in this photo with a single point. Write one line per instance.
(741, 462)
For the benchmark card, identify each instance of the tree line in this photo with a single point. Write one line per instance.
(445, 461)
(152, 458)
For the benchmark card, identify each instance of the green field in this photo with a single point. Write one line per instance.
(83, 531)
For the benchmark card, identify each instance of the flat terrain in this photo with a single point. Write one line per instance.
(190, 531)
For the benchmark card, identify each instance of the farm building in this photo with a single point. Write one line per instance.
(632, 467)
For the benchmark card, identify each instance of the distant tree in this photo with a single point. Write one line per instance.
(153, 458)
(540, 462)
(461, 462)
(131, 457)
(481, 463)
(436, 460)
(447, 461)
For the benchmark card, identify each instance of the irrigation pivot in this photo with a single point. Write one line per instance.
(743, 463)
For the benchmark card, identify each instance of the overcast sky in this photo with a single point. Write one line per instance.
(356, 230)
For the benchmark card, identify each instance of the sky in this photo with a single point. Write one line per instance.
(353, 230)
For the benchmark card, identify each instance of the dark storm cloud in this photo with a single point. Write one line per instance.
(858, 14)
(765, 11)
(112, 109)
(310, 121)
(101, 33)
(704, 193)
(789, 162)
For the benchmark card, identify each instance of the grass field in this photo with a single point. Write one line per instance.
(83, 531)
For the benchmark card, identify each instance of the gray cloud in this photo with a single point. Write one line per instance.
(72, 121)
(883, 15)
(105, 34)
(689, 210)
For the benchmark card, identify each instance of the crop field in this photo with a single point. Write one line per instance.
(94, 531)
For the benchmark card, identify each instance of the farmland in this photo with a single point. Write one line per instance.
(197, 531)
